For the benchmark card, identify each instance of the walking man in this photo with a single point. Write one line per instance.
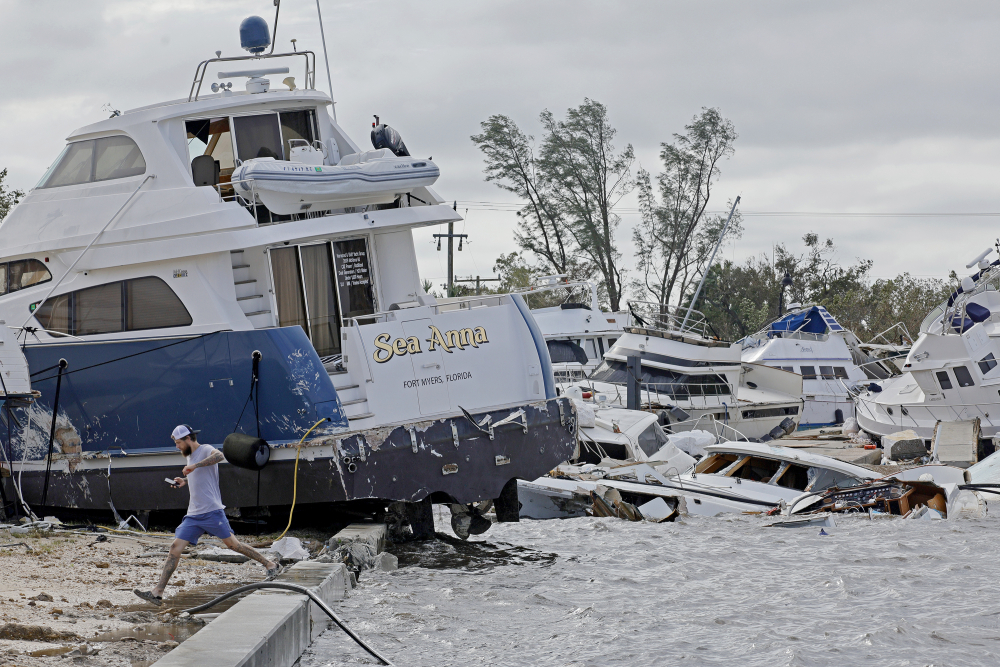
(205, 513)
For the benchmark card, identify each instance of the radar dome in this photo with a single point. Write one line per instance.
(254, 34)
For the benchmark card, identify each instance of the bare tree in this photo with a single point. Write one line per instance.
(675, 237)
(587, 179)
(511, 164)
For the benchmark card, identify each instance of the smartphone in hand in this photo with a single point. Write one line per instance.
(170, 482)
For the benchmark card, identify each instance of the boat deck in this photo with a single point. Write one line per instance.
(831, 442)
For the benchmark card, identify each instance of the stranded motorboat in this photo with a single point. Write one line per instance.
(808, 340)
(696, 376)
(577, 333)
(951, 373)
(153, 293)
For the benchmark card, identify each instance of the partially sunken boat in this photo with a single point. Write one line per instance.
(160, 280)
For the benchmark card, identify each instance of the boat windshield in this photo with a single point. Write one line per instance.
(652, 439)
(663, 381)
(821, 479)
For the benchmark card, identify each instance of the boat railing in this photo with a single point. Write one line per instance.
(905, 415)
(452, 305)
(723, 432)
(670, 318)
(760, 339)
(202, 69)
(686, 395)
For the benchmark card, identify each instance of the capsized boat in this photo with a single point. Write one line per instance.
(808, 340)
(694, 375)
(154, 294)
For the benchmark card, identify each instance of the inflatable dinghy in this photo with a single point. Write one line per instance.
(360, 179)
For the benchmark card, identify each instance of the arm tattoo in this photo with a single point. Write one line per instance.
(168, 569)
(210, 460)
(250, 552)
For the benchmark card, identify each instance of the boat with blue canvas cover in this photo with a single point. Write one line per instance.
(149, 289)
(809, 341)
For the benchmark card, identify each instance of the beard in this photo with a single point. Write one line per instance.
(185, 448)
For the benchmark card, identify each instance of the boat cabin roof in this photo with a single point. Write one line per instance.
(790, 455)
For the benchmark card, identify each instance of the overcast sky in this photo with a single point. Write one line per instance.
(842, 108)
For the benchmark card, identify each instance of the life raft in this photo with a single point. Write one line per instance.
(360, 179)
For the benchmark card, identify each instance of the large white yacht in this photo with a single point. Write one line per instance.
(697, 377)
(576, 330)
(235, 261)
(808, 340)
(951, 373)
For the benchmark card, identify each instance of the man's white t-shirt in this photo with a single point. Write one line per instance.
(203, 483)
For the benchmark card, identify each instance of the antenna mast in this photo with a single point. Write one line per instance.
(709, 265)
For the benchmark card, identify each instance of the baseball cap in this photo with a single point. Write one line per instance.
(182, 431)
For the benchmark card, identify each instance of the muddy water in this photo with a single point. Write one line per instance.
(725, 591)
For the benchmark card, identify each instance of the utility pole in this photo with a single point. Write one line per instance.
(477, 281)
(451, 235)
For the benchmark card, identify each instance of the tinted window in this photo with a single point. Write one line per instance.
(840, 372)
(258, 136)
(987, 363)
(826, 372)
(652, 439)
(663, 381)
(943, 379)
(809, 372)
(102, 159)
(964, 377)
(565, 352)
(131, 305)
(296, 125)
(151, 304)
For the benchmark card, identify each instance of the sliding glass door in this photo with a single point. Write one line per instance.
(305, 293)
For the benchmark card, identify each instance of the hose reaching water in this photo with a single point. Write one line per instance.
(295, 479)
(298, 589)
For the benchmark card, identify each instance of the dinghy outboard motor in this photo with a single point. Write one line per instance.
(384, 136)
(246, 451)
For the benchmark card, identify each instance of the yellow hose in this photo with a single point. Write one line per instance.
(295, 479)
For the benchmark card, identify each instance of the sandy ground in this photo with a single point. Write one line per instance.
(70, 589)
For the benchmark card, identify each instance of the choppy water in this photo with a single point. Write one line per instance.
(723, 591)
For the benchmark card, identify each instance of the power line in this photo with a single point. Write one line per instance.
(513, 207)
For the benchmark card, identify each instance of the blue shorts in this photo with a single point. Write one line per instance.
(194, 526)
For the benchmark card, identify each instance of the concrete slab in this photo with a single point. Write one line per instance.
(373, 534)
(267, 628)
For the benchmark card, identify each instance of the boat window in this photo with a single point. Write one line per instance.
(790, 369)
(826, 372)
(808, 372)
(756, 469)
(611, 342)
(565, 352)
(840, 372)
(943, 379)
(964, 377)
(793, 477)
(600, 346)
(151, 304)
(258, 136)
(591, 349)
(101, 159)
(129, 305)
(117, 157)
(651, 439)
(987, 363)
(663, 381)
(306, 294)
(22, 273)
(211, 136)
(296, 125)
(821, 479)
(713, 463)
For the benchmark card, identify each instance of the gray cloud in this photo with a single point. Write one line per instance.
(847, 106)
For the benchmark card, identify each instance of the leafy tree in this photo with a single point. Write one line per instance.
(675, 236)
(8, 197)
(740, 299)
(568, 225)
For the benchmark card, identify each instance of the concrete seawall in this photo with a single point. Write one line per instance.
(266, 628)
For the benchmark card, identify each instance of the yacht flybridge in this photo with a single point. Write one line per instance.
(808, 340)
(690, 376)
(235, 261)
(951, 373)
